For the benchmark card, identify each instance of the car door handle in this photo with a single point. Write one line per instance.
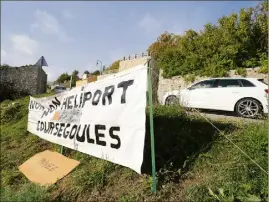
(235, 92)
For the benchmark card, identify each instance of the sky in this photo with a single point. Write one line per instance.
(75, 34)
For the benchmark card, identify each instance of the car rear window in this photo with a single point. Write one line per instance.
(228, 83)
(246, 83)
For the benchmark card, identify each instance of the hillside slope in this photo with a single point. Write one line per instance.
(194, 163)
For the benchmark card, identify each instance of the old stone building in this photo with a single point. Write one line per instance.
(30, 79)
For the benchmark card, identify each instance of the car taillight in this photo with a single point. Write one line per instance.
(266, 90)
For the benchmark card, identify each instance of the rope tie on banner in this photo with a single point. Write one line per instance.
(243, 152)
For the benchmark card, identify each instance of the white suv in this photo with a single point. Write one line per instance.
(248, 97)
(59, 89)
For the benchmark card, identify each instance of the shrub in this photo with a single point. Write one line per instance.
(26, 192)
(241, 71)
(189, 78)
(263, 70)
(264, 66)
(11, 113)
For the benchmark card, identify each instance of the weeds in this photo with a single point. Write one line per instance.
(189, 78)
(193, 163)
(24, 192)
(230, 175)
(241, 71)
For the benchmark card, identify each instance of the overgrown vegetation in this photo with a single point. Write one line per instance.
(233, 177)
(264, 65)
(114, 66)
(65, 78)
(189, 78)
(241, 71)
(236, 41)
(194, 163)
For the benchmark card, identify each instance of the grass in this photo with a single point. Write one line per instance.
(233, 177)
(194, 163)
(26, 192)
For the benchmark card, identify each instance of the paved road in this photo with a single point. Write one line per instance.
(228, 116)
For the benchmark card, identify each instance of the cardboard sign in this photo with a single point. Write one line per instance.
(105, 119)
(47, 167)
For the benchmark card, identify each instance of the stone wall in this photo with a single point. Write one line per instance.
(90, 79)
(102, 76)
(41, 80)
(126, 64)
(178, 82)
(28, 79)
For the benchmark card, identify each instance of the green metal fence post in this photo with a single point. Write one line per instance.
(153, 188)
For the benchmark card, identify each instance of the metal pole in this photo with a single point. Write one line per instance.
(70, 86)
(153, 188)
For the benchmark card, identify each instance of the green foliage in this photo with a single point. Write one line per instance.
(189, 78)
(75, 77)
(166, 40)
(241, 71)
(4, 66)
(235, 41)
(187, 148)
(264, 64)
(114, 66)
(12, 112)
(263, 69)
(63, 77)
(129, 198)
(26, 192)
(86, 72)
(96, 72)
(230, 175)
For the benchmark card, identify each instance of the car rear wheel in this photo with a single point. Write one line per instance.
(248, 108)
(171, 100)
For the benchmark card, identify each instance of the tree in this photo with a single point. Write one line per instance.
(86, 72)
(164, 41)
(96, 72)
(74, 77)
(239, 40)
(114, 66)
(63, 77)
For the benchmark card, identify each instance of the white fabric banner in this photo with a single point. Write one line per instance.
(105, 119)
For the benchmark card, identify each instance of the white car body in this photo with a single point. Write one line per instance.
(221, 98)
(59, 89)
